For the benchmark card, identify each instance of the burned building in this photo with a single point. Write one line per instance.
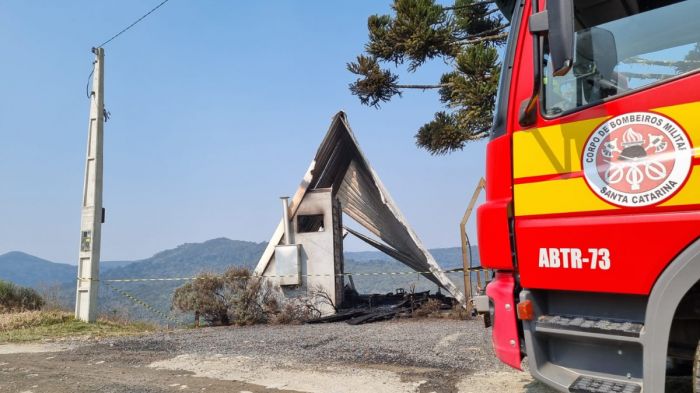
(306, 249)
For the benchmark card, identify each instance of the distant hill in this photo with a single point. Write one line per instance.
(28, 270)
(446, 257)
(108, 265)
(190, 259)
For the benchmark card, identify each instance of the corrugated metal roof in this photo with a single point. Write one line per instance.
(340, 164)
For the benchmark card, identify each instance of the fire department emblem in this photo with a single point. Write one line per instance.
(637, 159)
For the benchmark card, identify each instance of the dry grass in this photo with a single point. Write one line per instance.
(38, 325)
(459, 312)
(29, 319)
(434, 308)
(428, 309)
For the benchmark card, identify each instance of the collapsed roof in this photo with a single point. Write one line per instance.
(340, 165)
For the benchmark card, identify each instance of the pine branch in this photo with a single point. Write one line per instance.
(476, 4)
(487, 38)
(424, 87)
(483, 33)
(493, 11)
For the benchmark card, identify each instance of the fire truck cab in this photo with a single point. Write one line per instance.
(591, 221)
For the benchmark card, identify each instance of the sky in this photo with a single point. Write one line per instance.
(217, 110)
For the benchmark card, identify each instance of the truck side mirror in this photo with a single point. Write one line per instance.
(557, 23)
(560, 18)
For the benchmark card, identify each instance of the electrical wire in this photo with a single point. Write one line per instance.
(133, 24)
(87, 85)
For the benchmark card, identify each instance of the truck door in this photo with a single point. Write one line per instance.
(606, 183)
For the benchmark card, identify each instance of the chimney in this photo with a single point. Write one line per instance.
(288, 236)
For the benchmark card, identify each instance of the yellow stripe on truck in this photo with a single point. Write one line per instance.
(556, 196)
(553, 150)
(573, 195)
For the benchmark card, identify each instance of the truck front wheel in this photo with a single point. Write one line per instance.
(696, 371)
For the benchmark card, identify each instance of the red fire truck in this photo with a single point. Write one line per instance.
(591, 222)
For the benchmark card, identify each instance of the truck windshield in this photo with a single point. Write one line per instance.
(623, 45)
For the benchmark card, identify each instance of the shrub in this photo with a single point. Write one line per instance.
(203, 296)
(293, 312)
(236, 297)
(14, 298)
(320, 299)
(251, 299)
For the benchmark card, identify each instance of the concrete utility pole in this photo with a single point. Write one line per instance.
(92, 214)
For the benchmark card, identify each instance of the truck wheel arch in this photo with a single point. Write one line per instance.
(668, 291)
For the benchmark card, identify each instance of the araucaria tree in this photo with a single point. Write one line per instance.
(465, 35)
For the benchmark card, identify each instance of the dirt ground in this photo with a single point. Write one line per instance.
(383, 358)
(61, 372)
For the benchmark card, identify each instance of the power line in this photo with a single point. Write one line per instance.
(87, 85)
(133, 24)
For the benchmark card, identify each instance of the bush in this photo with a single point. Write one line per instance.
(293, 312)
(251, 299)
(204, 297)
(14, 298)
(236, 297)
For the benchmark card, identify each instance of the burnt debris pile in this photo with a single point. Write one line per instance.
(358, 309)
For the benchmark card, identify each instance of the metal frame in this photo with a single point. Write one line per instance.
(340, 165)
(466, 247)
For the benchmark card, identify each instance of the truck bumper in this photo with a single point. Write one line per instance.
(506, 341)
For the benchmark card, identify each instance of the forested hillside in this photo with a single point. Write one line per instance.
(190, 259)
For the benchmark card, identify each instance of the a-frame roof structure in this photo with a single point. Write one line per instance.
(339, 164)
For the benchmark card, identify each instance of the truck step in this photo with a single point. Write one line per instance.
(590, 325)
(584, 384)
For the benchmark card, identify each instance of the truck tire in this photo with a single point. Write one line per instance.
(696, 371)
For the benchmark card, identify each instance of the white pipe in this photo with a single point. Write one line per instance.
(288, 238)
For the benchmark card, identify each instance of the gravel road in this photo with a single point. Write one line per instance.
(420, 356)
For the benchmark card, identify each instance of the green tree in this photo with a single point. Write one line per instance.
(465, 35)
